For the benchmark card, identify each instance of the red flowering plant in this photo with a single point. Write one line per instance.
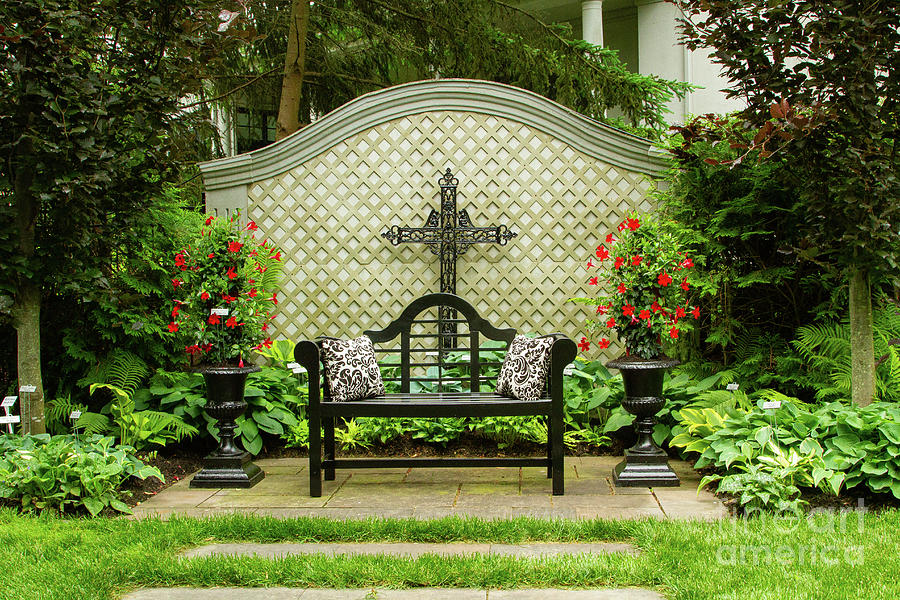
(645, 278)
(225, 292)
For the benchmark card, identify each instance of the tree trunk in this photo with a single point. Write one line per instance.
(294, 60)
(862, 345)
(27, 318)
(26, 311)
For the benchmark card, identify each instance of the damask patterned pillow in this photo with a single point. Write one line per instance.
(524, 370)
(351, 369)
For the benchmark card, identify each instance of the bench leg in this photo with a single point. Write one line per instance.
(557, 450)
(315, 455)
(329, 446)
(549, 447)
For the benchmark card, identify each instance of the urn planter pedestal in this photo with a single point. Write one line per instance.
(645, 464)
(226, 466)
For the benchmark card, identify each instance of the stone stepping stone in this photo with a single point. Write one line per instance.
(411, 550)
(385, 594)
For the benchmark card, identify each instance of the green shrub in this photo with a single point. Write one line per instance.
(275, 398)
(64, 472)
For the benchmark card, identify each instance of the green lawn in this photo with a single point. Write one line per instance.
(49, 558)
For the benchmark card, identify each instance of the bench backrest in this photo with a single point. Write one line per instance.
(438, 344)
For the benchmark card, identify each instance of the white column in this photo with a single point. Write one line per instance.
(592, 21)
(659, 52)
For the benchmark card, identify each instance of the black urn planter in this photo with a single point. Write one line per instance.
(226, 466)
(645, 464)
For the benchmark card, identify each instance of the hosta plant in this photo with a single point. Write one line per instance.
(65, 472)
(643, 277)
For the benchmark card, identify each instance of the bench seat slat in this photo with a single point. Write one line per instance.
(446, 404)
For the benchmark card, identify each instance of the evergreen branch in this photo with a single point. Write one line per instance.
(379, 84)
(232, 91)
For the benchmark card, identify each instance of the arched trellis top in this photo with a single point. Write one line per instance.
(229, 177)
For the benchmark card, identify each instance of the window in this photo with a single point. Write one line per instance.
(255, 129)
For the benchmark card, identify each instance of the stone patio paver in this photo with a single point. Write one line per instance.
(487, 493)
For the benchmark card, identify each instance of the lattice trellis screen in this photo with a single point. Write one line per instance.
(341, 277)
(327, 208)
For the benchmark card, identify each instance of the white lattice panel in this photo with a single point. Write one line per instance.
(341, 277)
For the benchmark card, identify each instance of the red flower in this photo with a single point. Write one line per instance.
(644, 314)
(687, 263)
(673, 333)
(696, 312)
(175, 311)
(176, 282)
(636, 260)
(235, 246)
(655, 307)
(602, 253)
(195, 349)
(252, 293)
(684, 284)
(275, 297)
(604, 343)
(173, 327)
(619, 262)
(621, 226)
(211, 255)
(611, 323)
(628, 310)
(632, 224)
(679, 313)
(231, 322)
(214, 319)
(204, 295)
(664, 279)
(584, 344)
(251, 226)
(231, 274)
(592, 281)
(276, 256)
(210, 219)
(590, 264)
(621, 289)
(610, 239)
(179, 259)
(601, 309)
(265, 326)
(228, 299)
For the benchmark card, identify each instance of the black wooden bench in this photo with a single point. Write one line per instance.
(424, 329)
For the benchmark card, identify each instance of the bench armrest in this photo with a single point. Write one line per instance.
(307, 353)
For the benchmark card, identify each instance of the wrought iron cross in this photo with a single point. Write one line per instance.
(448, 234)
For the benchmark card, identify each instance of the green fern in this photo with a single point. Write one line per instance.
(825, 347)
(57, 411)
(120, 368)
(134, 428)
